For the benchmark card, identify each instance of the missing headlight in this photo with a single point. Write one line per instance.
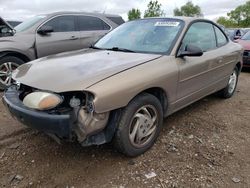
(72, 99)
(89, 103)
(74, 102)
(77, 99)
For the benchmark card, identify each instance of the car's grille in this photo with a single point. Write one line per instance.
(246, 53)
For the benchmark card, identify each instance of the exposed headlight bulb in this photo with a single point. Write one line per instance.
(74, 102)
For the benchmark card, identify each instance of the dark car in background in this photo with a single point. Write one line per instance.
(49, 34)
(245, 42)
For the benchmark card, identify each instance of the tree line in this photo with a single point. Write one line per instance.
(239, 17)
(154, 9)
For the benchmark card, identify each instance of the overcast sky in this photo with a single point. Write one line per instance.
(22, 9)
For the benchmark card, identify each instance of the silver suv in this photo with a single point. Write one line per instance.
(49, 34)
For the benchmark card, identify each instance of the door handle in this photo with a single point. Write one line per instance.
(73, 38)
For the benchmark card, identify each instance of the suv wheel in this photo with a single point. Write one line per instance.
(228, 91)
(7, 65)
(139, 125)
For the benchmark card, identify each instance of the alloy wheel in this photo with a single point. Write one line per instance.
(6, 70)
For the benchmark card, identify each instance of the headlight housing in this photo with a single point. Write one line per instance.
(42, 100)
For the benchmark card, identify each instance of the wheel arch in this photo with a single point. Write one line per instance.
(15, 54)
(160, 94)
(239, 66)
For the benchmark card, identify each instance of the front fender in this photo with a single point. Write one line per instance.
(117, 91)
(20, 44)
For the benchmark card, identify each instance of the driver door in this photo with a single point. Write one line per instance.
(195, 72)
(64, 37)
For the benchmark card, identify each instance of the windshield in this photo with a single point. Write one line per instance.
(246, 36)
(29, 23)
(147, 36)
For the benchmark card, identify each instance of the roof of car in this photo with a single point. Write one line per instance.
(79, 12)
(185, 19)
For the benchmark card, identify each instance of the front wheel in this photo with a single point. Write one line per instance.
(7, 65)
(139, 125)
(229, 90)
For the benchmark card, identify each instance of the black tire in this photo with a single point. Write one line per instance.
(227, 92)
(121, 139)
(15, 63)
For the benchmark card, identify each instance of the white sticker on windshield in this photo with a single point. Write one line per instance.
(167, 24)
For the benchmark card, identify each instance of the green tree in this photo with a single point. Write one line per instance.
(189, 9)
(226, 22)
(241, 15)
(134, 14)
(154, 10)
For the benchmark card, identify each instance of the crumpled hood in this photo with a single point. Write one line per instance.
(4, 23)
(77, 70)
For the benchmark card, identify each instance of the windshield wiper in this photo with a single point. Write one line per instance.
(120, 49)
(113, 49)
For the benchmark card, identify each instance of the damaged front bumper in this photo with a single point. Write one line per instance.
(71, 125)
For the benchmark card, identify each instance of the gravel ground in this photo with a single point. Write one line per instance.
(203, 145)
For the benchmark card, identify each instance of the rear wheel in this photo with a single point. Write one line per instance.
(228, 91)
(139, 126)
(7, 65)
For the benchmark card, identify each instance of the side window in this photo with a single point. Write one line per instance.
(221, 38)
(62, 24)
(88, 23)
(200, 34)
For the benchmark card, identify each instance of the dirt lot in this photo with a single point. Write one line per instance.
(205, 145)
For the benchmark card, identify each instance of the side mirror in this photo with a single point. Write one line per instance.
(192, 51)
(44, 30)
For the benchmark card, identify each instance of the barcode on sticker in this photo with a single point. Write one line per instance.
(169, 24)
